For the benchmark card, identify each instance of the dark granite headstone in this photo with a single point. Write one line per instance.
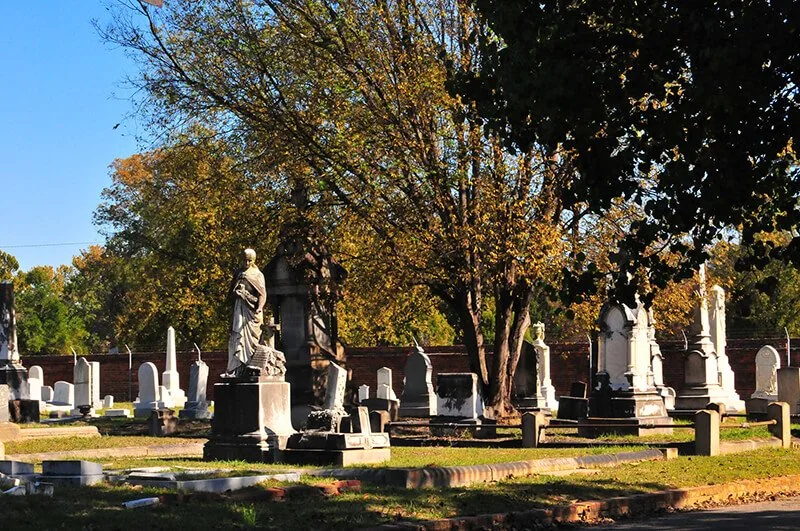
(418, 398)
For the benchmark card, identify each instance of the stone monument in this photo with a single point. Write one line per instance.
(12, 373)
(35, 381)
(768, 362)
(532, 388)
(323, 442)
(385, 399)
(82, 378)
(252, 418)
(657, 365)
(304, 282)
(726, 375)
(625, 390)
(197, 406)
(170, 377)
(701, 374)
(149, 398)
(418, 398)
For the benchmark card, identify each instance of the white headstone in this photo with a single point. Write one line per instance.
(64, 394)
(108, 402)
(171, 378)
(385, 390)
(34, 388)
(337, 382)
(545, 383)
(768, 361)
(82, 379)
(717, 323)
(457, 395)
(148, 389)
(624, 347)
(36, 372)
(165, 397)
(363, 393)
(96, 402)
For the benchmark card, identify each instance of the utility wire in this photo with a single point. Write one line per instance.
(46, 245)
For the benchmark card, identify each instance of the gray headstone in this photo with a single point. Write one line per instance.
(71, 468)
(47, 393)
(198, 378)
(418, 398)
(95, 387)
(82, 379)
(64, 394)
(337, 382)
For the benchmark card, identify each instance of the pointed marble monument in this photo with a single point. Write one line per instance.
(170, 377)
(701, 373)
(726, 374)
(625, 392)
(532, 388)
(657, 365)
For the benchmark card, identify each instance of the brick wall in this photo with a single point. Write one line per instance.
(569, 362)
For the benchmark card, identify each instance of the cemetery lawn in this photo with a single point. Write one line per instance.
(61, 444)
(99, 507)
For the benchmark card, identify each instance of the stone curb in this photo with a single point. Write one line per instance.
(623, 506)
(460, 476)
(162, 450)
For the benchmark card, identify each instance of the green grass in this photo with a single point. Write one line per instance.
(99, 507)
(61, 444)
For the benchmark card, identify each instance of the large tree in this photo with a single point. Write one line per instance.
(689, 109)
(347, 102)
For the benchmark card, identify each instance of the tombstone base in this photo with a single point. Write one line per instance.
(338, 457)
(121, 412)
(383, 404)
(23, 411)
(339, 449)
(572, 408)
(16, 378)
(144, 410)
(251, 421)
(195, 411)
(698, 397)
(418, 409)
(627, 426)
(757, 408)
(483, 428)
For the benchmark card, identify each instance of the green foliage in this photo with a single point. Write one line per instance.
(8, 266)
(46, 324)
(689, 111)
(760, 302)
(177, 221)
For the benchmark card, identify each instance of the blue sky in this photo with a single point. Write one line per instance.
(60, 96)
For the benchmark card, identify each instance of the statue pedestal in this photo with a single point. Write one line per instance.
(252, 420)
(16, 378)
